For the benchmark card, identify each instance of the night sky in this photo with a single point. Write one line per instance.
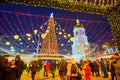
(19, 19)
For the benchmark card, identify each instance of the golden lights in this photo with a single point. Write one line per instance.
(16, 37)
(7, 43)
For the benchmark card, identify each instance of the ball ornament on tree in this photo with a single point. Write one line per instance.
(43, 36)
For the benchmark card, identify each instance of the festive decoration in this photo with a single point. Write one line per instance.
(72, 38)
(29, 38)
(62, 44)
(60, 33)
(16, 37)
(114, 19)
(19, 39)
(28, 35)
(7, 43)
(69, 35)
(33, 41)
(35, 32)
(94, 7)
(47, 31)
(109, 9)
(22, 50)
(49, 44)
(43, 36)
(12, 47)
(80, 38)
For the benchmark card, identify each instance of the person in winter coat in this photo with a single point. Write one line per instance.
(44, 63)
(53, 68)
(112, 70)
(20, 67)
(6, 71)
(3, 67)
(34, 68)
(92, 67)
(74, 70)
(69, 64)
(96, 68)
(12, 71)
(104, 68)
(47, 68)
(116, 67)
(62, 69)
(87, 70)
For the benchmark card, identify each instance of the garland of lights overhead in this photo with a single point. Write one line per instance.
(112, 11)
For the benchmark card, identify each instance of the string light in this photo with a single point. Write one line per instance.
(97, 11)
(7, 43)
(16, 37)
(43, 36)
(60, 33)
(35, 31)
(72, 38)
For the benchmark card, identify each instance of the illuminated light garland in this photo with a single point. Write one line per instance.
(22, 50)
(16, 37)
(71, 39)
(17, 14)
(27, 24)
(9, 23)
(11, 47)
(32, 27)
(62, 44)
(20, 22)
(35, 31)
(65, 46)
(60, 33)
(69, 35)
(7, 43)
(16, 33)
(12, 28)
(94, 38)
(5, 26)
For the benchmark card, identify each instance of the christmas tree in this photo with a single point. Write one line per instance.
(49, 44)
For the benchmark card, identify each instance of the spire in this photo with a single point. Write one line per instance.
(77, 21)
(78, 24)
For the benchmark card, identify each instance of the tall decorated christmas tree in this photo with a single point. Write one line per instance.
(49, 44)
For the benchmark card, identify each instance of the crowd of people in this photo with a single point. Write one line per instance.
(11, 70)
(68, 69)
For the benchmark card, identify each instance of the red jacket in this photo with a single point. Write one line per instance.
(47, 67)
(87, 70)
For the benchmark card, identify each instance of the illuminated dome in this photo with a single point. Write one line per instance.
(78, 24)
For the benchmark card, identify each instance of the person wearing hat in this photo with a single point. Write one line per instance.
(6, 57)
(20, 67)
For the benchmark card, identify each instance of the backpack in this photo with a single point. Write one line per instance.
(73, 68)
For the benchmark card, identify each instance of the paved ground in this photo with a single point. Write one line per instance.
(39, 76)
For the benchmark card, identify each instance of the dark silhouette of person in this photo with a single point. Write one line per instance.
(20, 67)
(53, 68)
(4, 66)
(34, 68)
